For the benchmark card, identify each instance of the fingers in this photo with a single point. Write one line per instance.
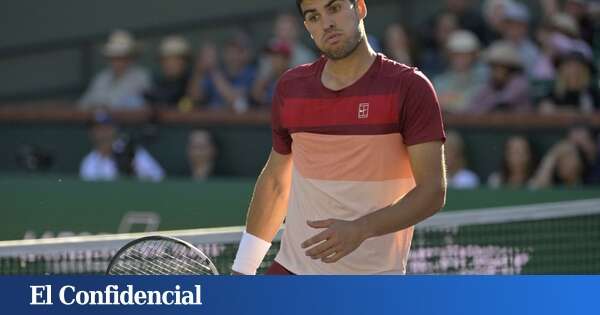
(337, 256)
(317, 251)
(316, 239)
(329, 252)
(320, 224)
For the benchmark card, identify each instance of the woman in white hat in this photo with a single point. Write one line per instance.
(121, 85)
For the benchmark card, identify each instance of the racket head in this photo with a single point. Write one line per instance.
(160, 255)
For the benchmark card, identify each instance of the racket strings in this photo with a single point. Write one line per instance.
(161, 258)
(156, 265)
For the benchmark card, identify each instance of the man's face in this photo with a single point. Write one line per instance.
(119, 64)
(236, 57)
(462, 62)
(500, 74)
(173, 67)
(103, 136)
(515, 30)
(334, 26)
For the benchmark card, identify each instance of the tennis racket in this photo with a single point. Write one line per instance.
(160, 255)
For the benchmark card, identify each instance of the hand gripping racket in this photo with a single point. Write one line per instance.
(160, 255)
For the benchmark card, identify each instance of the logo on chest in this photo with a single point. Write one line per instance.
(363, 110)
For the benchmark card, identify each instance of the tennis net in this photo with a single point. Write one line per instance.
(562, 237)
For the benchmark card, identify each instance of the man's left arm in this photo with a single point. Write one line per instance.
(429, 195)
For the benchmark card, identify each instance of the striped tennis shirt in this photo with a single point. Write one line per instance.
(349, 153)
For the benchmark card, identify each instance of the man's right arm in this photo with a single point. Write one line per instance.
(268, 206)
(267, 210)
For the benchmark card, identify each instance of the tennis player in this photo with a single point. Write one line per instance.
(357, 157)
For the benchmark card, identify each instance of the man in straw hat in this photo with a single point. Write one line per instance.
(507, 88)
(459, 84)
(122, 84)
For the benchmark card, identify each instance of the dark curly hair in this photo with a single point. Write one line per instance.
(299, 2)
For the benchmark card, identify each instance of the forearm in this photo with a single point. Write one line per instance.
(419, 204)
(227, 91)
(543, 176)
(268, 208)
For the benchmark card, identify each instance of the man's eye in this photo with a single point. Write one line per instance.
(313, 18)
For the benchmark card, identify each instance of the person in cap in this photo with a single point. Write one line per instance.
(278, 54)
(493, 14)
(574, 89)
(515, 30)
(113, 156)
(507, 88)
(457, 86)
(122, 84)
(227, 85)
(170, 85)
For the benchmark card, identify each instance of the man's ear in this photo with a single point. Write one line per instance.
(306, 27)
(361, 6)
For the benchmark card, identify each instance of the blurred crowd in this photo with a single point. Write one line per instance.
(495, 57)
(500, 56)
(236, 76)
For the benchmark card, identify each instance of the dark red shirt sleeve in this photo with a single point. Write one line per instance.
(421, 117)
(282, 141)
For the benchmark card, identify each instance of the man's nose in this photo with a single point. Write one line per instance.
(327, 23)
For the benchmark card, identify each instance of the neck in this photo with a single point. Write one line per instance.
(351, 68)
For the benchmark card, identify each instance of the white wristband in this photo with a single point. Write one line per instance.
(251, 252)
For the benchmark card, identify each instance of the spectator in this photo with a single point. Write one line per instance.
(397, 44)
(122, 85)
(457, 86)
(287, 31)
(468, 16)
(112, 157)
(201, 154)
(433, 59)
(515, 30)
(584, 140)
(578, 10)
(226, 86)
(518, 164)
(507, 88)
(278, 55)
(558, 36)
(459, 176)
(543, 69)
(170, 86)
(493, 13)
(574, 88)
(564, 165)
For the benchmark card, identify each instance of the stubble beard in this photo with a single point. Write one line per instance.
(346, 49)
